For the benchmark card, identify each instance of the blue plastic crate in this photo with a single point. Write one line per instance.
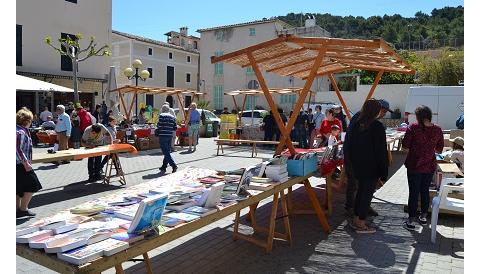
(302, 167)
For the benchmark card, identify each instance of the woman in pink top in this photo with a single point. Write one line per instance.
(422, 141)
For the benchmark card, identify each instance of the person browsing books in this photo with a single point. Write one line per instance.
(334, 136)
(94, 136)
(369, 160)
(422, 140)
(193, 126)
(326, 126)
(456, 155)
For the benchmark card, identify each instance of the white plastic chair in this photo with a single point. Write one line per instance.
(441, 201)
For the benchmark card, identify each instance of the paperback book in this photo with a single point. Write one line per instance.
(88, 253)
(183, 216)
(25, 239)
(149, 214)
(69, 242)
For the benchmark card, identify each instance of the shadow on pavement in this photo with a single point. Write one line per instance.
(154, 175)
(71, 191)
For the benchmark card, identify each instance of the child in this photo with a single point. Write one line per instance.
(334, 137)
(76, 134)
(456, 154)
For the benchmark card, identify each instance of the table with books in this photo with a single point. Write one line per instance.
(107, 231)
(82, 153)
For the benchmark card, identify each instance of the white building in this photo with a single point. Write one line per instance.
(169, 66)
(215, 79)
(58, 18)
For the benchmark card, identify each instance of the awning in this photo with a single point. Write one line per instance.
(29, 84)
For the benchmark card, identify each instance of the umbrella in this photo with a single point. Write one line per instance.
(113, 102)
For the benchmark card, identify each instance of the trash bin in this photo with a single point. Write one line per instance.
(215, 128)
(209, 130)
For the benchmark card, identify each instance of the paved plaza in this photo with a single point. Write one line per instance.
(211, 249)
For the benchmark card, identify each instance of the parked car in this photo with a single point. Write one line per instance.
(209, 116)
(253, 118)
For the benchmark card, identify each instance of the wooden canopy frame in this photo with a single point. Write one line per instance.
(309, 57)
(258, 92)
(135, 90)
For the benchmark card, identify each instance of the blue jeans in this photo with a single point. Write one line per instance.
(166, 146)
(418, 185)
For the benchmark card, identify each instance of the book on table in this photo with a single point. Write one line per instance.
(65, 228)
(200, 211)
(187, 217)
(171, 222)
(24, 239)
(260, 186)
(53, 225)
(128, 237)
(69, 242)
(149, 214)
(211, 196)
(26, 230)
(91, 252)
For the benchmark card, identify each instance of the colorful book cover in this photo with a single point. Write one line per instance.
(25, 239)
(26, 230)
(149, 214)
(127, 237)
(171, 222)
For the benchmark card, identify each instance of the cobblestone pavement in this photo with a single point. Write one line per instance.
(211, 249)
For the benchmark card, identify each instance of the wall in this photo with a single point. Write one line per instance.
(235, 77)
(158, 61)
(395, 94)
(52, 17)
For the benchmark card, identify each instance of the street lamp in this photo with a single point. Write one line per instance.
(144, 74)
(408, 28)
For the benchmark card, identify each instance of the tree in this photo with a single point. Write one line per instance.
(70, 46)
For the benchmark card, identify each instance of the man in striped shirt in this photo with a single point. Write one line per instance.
(166, 127)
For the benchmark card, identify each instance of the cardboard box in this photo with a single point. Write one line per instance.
(154, 142)
(143, 143)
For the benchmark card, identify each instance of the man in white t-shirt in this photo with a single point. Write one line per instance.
(44, 114)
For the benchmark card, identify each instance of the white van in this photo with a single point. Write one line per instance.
(446, 103)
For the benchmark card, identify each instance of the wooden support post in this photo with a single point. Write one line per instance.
(271, 103)
(235, 226)
(271, 228)
(123, 104)
(148, 264)
(182, 107)
(328, 193)
(243, 109)
(286, 221)
(133, 103)
(316, 206)
(119, 269)
(375, 83)
(301, 99)
(337, 90)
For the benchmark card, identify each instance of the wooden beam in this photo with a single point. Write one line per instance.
(336, 41)
(243, 109)
(308, 69)
(131, 105)
(216, 59)
(123, 104)
(323, 73)
(378, 68)
(301, 99)
(259, 61)
(271, 103)
(337, 90)
(182, 106)
(375, 83)
(290, 64)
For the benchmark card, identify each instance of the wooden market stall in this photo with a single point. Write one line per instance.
(258, 92)
(309, 57)
(136, 90)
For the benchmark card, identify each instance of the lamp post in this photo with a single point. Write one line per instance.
(408, 27)
(144, 74)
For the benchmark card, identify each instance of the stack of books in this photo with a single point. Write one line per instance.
(260, 183)
(278, 173)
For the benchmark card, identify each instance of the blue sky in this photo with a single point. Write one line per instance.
(153, 19)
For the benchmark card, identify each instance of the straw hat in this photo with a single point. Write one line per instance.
(457, 140)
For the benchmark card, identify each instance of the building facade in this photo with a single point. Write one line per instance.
(57, 18)
(183, 40)
(216, 79)
(169, 66)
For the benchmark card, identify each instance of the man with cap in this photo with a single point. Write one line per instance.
(340, 116)
(352, 183)
(166, 126)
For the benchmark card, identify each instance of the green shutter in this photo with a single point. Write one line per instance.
(219, 66)
(218, 97)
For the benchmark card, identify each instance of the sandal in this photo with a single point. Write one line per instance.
(365, 230)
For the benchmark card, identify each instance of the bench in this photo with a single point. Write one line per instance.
(221, 142)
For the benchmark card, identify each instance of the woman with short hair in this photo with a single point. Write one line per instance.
(27, 180)
(422, 139)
